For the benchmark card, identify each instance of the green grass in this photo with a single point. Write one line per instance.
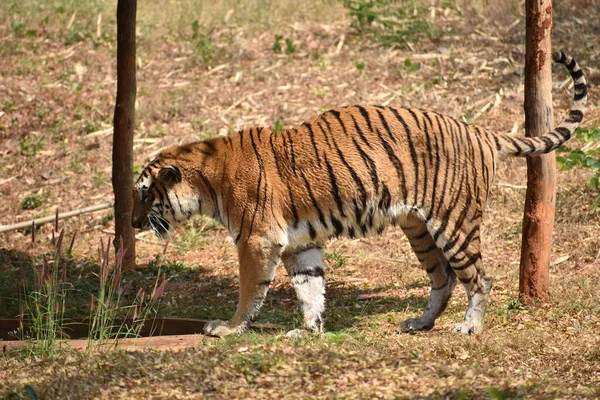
(32, 201)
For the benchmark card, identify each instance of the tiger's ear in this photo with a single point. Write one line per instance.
(171, 174)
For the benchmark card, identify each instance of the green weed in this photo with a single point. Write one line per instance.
(258, 362)
(337, 259)
(8, 106)
(31, 202)
(43, 305)
(30, 145)
(501, 394)
(360, 66)
(586, 157)
(393, 23)
(409, 66)
(195, 233)
(278, 126)
(205, 48)
(107, 219)
(289, 45)
(77, 164)
(107, 305)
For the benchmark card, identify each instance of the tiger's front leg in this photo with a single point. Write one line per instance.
(305, 269)
(258, 259)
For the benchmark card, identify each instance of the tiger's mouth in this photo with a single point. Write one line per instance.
(159, 225)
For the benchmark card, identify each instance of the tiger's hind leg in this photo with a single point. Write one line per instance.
(464, 257)
(305, 269)
(442, 277)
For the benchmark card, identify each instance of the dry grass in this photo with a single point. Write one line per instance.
(57, 93)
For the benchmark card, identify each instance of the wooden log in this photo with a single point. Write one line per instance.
(44, 220)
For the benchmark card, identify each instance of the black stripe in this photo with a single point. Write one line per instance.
(237, 238)
(311, 231)
(275, 155)
(571, 65)
(325, 135)
(335, 188)
(576, 74)
(261, 172)
(396, 162)
(432, 270)
(292, 152)
(386, 199)
(293, 207)
(385, 124)
(360, 132)
(549, 144)
(579, 96)
(358, 215)
(576, 115)
(351, 233)
(312, 140)
(441, 148)
(581, 87)
(497, 142)
(370, 164)
(514, 143)
(459, 222)
(337, 225)
(421, 235)
(365, 115)
(465, 243)
(314, 200)
(178, 203)
(414, 115)
(425, 251)
(455, 195)
(211, 190)
(472, 261)
(336, 114)
(316, 272)
(435, 168)
(355, 177)
(564, 132)
(484, 168)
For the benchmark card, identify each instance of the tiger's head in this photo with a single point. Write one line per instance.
(166, 194)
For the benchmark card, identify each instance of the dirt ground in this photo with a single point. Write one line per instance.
(57, 90)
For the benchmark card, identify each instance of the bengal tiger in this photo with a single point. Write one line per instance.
(350, 172)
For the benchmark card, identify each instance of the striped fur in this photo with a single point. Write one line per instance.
(350, 172)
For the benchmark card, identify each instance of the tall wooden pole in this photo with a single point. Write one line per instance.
(538, 219)
(122, 155)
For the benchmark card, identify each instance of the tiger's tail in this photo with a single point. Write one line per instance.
(531, 146)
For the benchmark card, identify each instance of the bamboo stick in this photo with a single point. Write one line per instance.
(43, 220)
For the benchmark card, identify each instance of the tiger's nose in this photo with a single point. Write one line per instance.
(136, 223)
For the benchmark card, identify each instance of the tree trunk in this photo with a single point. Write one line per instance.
(538, 219)
(122, 155)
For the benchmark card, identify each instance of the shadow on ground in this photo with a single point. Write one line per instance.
(193, 292)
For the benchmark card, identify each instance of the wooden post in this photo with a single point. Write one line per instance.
(538, 219)
(122, 155)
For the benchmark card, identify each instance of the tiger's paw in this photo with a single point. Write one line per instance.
(416, 324)
(466, 328)
(220, 328)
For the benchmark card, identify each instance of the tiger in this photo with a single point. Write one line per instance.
(350, 172)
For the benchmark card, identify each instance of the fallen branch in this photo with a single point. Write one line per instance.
(40, 221)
